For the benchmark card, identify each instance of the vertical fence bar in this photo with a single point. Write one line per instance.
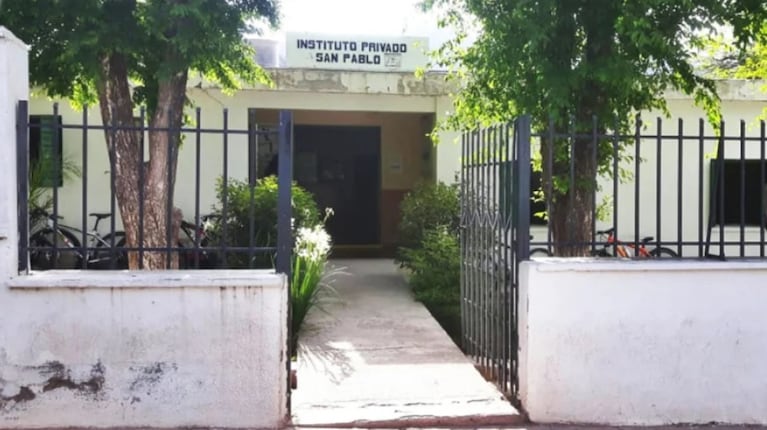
(497, 288)
(523, 192)
(22, 178)
(742, 188)
(701, 165)
(252, 176)
(284, 180)
(285, 213)
(462, 240)
(550, 184)
(142, 185)
(616, 175)
(571, 139)
(483, 248)
(720, 188)
(763, 189)
(595, 160)
(506, 303)
(523, 231)
(658, 180)
(637, 163)
(84, 188)
(225, 193)
(169, 183)
(679, 188)
(471, 241)
(112, 188)
(197, 222)
(54, 178)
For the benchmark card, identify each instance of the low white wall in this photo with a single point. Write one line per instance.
(138, 349)
(645, 343)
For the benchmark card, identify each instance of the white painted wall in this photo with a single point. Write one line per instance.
(163, 349)
(645, 343)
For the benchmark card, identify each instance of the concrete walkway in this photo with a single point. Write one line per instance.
(376, 358)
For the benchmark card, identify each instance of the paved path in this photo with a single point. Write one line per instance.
(375, 357)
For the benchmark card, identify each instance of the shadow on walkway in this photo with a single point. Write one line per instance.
(375, 357)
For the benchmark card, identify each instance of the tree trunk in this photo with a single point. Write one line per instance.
(571, 206)
(130, 170)
(125, 158)
(161, 173)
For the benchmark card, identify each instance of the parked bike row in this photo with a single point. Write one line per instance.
(56, 245)
(610, 246)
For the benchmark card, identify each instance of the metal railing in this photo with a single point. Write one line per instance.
(696, 192)
(217, 154)
(494, 239)
(689, 190)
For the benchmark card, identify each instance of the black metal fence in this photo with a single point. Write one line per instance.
(685, 191)
(495, 202)
(219, 179)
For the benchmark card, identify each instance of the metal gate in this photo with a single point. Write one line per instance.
(495, 237)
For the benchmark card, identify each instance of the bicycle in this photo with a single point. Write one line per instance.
(629, 250)
(540, 252)
(61, 248)
(197, 256)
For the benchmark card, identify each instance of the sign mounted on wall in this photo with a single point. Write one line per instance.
(371, 53)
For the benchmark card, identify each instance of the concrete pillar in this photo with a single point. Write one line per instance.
(14, 86)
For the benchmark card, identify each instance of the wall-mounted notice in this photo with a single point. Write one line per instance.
(371, 53)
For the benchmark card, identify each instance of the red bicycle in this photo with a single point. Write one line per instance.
(616, 248)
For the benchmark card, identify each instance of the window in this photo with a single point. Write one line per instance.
(45, 149)
(751, 192)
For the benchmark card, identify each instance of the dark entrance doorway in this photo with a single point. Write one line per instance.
(340, 165)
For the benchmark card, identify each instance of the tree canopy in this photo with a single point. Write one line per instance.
(69, 39)
(130, 53)
(568, 62)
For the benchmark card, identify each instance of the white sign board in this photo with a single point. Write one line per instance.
(371, 53)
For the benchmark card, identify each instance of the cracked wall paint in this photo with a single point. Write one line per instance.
(144, 357)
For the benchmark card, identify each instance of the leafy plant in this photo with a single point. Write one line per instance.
(251, 217)
(427, 206)
(435, 267)
(310, 255)
(40, 198)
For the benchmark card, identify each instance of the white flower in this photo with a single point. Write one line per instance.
(312, 243)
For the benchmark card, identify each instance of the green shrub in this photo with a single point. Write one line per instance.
(426, 207)
(435, 268)
(260, 201)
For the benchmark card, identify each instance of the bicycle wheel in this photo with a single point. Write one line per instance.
(662, 252)
(65, 256)
(108, 258)
(540, 252)
(600, 253)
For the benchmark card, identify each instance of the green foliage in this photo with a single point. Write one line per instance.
(436, 267)
(426, 207)
(158, 38)
(724, 60)
(259, 204)
(567, 63)
(40, 198)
